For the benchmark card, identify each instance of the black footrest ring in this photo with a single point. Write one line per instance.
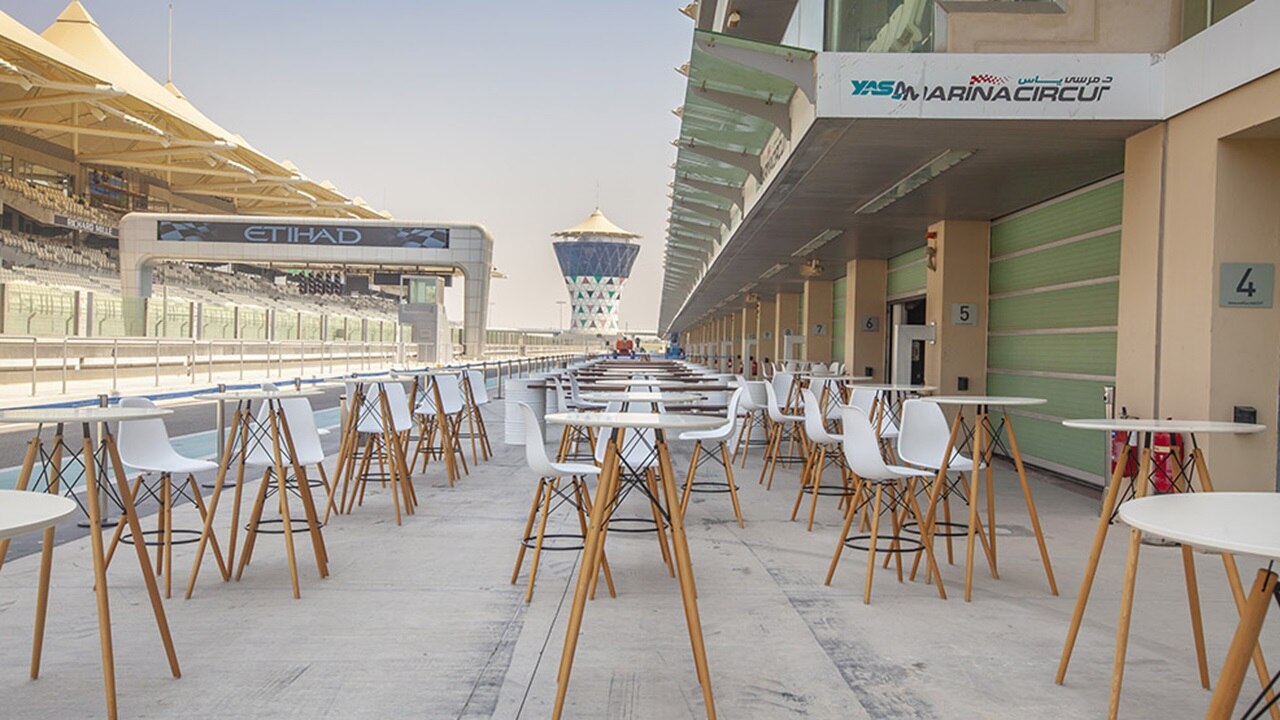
(910, 545)
(531, 541)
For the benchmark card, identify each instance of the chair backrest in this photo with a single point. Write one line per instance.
(814, 426)
(774, 410)
(782, 387)
(861, 447)
(923, 438)
(756, 398)
(834, 369)
(535, 453)
(302, 430)
(143, 443)
(451, 397)
(479, 392)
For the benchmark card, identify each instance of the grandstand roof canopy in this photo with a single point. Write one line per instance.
(72, 86)
(596, 225)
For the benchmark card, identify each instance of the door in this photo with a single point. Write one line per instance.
(908, 353)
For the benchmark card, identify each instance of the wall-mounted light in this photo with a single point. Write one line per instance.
(733, 20)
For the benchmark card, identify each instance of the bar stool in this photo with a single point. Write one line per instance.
(824, 450)
(572, 438)
(754, 410)
(781, 425)
(443, 423)
(886, 430)
(384, 420)
(477, 396)
(923, 443)
(145, 446)
(549, 497)
(720, 455)
(862, 455)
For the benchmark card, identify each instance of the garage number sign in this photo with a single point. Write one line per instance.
(1246, 285)
(964, 314)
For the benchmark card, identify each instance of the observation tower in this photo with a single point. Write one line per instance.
(595, 258)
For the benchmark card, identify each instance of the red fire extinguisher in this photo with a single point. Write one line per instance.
(1120, 438)
(1166, 461)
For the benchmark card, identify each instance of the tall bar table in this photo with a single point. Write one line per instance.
(396, 463)
(97, 465)
(1192, 470)
(597, 530)
(271, 434)
(985, 436)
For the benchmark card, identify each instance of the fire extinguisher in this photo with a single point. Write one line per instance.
(1120, 438)
(1166, 460)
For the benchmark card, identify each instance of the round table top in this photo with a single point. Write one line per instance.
(1004, 401)
(891, 387)
(257, 394)
(642, 421)
(671, 397)
(1234, 522)
(637, 381)
(70, 415)
(838, 378)
(1192, 427)
(24, 512)
(375, 379)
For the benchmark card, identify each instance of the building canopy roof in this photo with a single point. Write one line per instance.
(596, 225)
(72, 86)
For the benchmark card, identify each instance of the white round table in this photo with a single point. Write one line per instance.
(1179, 475)
(23, 512)
(1227, 523)
(606, 494)
(650, 397)
(985, 439)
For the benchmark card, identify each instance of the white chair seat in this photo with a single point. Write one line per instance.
(564, 469)
(176, 464)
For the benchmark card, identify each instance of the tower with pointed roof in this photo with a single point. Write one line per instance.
(595, 258)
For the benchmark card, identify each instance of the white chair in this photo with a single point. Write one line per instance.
(144, 445)
(782, 426)
(870, 404)
(754, 408)
(548, 498)
(824, 450)
(894, 495)
(922, 443)
(476, 396)
(440, 429)
(573, 437)
(718, 435)
(834, 368)
(385, 440)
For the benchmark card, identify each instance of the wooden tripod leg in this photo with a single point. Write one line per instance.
(806, 469)
(684, 564)
(604, 498)
(1197, 625)
(198, 499)
(166, 517)
(816, 473)
(528, 528)
(24, 478)
(255, 516)
(100, 575)
(206, 533)
(130, 515)
(1243, 643)
(584, 510)
(652, 485)
(118, 534)
(973, 507)
(733, 488)
(988, 448)
(1031, 506)
(1126, 596)
(42, 591)
(939, 486)
(927, 541)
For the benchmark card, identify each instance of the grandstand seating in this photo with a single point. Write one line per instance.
(57, 200)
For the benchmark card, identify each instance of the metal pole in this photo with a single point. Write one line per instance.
(64, 366)
(35, 360)
(220, 418)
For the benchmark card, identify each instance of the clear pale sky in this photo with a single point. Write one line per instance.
(507, 113)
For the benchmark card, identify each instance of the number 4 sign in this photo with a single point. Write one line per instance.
(1246, 285)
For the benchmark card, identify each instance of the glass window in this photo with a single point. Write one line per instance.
(879, 25)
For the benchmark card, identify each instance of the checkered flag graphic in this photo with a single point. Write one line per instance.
(183, 231)
(987, 80)
(428, 238)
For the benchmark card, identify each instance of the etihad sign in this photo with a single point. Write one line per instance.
(302, 234)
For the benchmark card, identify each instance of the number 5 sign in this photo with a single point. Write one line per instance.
(1246, 285)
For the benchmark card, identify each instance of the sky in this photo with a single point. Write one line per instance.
(512, 114)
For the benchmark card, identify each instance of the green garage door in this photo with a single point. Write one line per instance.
(1052, 321)
(907, 273)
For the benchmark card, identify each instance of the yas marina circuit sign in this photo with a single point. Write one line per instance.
(1049, 86)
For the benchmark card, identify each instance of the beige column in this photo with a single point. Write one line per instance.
(866, 324)
(766, 311)
(1180, 351)
(786, 322)
(733, 334)
(748, 323)
(959, 278)
(816, 325)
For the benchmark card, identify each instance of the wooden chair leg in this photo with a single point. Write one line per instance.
(850, 513)
(652, 484)
(528, 528)
(547, 497)
(733, 488)
(871, 545)
(584, 509)
(688, 481)
(816, 473)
